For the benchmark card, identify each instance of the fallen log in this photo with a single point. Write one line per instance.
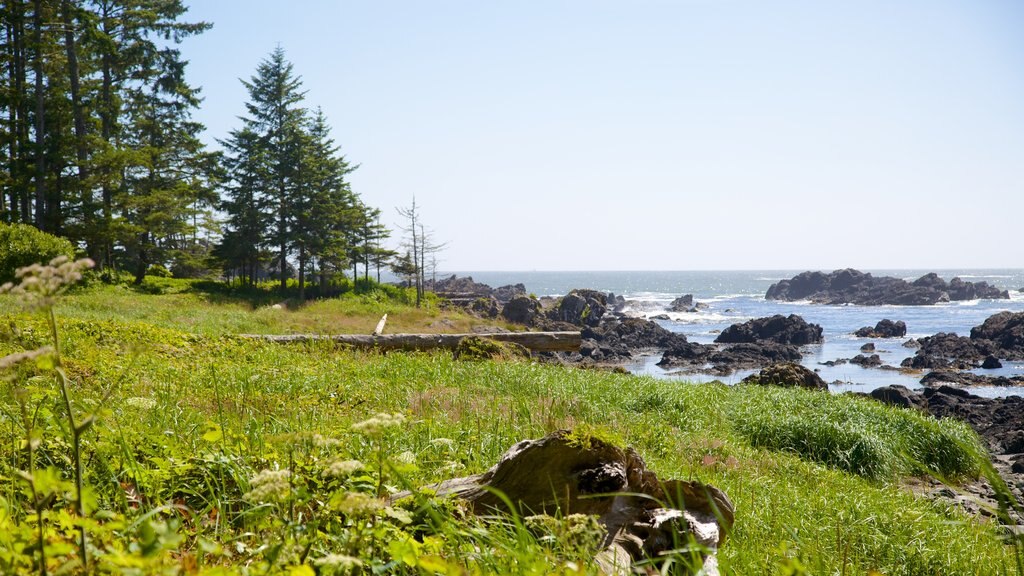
(643, 518)
(535, 341)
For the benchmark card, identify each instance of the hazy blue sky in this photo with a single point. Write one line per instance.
(658, 134)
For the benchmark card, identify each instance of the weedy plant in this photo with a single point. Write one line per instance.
(38, 287)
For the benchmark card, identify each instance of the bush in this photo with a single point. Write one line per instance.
(159, 271)
(23, 245)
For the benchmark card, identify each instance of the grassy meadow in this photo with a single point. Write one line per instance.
(214, 454)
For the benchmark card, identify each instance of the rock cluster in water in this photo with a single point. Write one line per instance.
(1000, 337)
(851, 286)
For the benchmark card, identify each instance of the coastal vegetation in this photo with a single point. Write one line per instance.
(207, 453)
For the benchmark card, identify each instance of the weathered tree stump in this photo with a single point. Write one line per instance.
(644, 518)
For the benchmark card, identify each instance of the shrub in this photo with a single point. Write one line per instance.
(158, 270)
(22, 245)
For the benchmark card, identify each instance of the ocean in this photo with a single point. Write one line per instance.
(738, 296)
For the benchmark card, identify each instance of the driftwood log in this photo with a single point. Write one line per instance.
(536, 341)
(644, 518)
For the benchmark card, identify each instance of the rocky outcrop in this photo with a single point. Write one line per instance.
(788, 375)
(999, 337)
(682, 304)
(728, 359)
(1005, 331)
(581, 308)
(637, 515)
(508, 292)
(869, 347)
(620, 341)
(863, 361)
(948, 350)
(968, 379)
(779, 329)
(522, 310)
(851, 286)
(884, 329)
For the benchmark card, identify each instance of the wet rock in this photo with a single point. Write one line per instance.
(787, 374)
(780, 329)
(623, 340)
(866, 361)
(682, 304)
(952, 378)
(752, 355)
(884, 329)
(991, 363)
(948, 350)
(1005, 332)
(869, 347)
(851, 286)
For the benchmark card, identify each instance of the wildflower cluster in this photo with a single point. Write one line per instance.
(378, 424)
(270, 486)
(39, 285)
(339, 468)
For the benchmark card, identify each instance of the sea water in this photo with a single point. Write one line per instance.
(738, 296)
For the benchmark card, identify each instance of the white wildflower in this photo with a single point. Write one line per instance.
(325, 442)
(269, 486)
(339, 468)
(406, 457)
(443, 443)
(38, 284)
(140, 402)
(356, 504)
(339, 563)
(378, 424)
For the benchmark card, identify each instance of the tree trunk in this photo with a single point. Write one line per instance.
(81, 147)
(40, 148)
(107, 133)
(302, 272)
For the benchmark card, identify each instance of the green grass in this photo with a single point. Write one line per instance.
(174, 462)
(204, 307)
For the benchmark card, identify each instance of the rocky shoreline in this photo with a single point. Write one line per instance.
(611, 338)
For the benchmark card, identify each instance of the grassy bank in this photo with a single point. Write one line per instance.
(220, 455)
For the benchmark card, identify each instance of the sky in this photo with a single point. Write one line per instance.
(659, 134)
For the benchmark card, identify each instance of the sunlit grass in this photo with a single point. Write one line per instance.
(198, 414)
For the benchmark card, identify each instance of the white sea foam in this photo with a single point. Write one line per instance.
(700, 317)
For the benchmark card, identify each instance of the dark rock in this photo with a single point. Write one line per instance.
(1018, 464)
(898, 395)
(681, 304)
(779, 329)
(661, 317)
(581, 308)
(521, 310)
(753, 355)
(854, 287)
(947, 350)
(787, 374)
(622, 340)
(884, 329)
(1005, 331)
(508, 292)
(869, 347)
(866, 361)
(912, 343)
(991, 363)
(486, 307)
(946, 377)
(836, 362)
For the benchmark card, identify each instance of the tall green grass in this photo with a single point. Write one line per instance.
(176, 458)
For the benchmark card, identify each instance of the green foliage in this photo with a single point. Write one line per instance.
(476, 348)
(219, 454)
(859, 436)
(159, 271)
(22, 245)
